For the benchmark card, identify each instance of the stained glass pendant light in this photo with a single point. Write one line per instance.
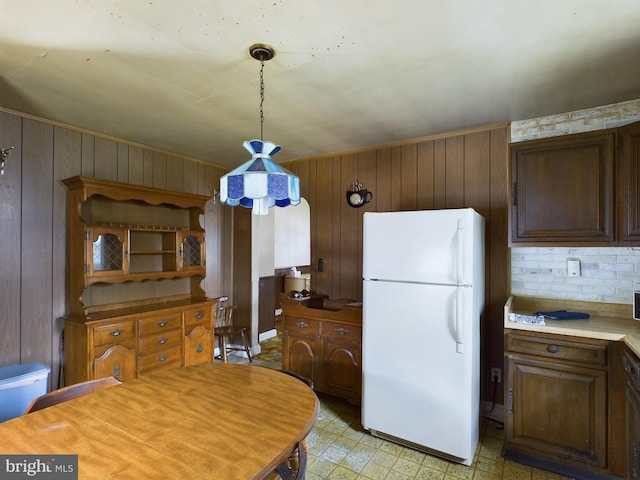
(260, 183)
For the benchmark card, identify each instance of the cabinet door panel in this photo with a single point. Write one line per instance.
(558, 409)
(198, 346)
(342, 370)
(633, 431)
(629, 180)
(301, 357)
(563, 189)
(118, 361)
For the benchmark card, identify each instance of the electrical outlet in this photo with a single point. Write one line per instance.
(496, 375)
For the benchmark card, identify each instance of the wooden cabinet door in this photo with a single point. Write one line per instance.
(557, 411)
(629, 183)
(106, 254)
(198, 346)
(632, 413)
(341, 369)
(192, 252)
(300, 355)
(563, 189)
(117, 361)
(341, 372)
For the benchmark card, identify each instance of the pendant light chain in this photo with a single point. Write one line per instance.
(261, 99)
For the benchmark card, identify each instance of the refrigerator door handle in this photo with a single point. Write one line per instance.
(460, 253)
(459, 323)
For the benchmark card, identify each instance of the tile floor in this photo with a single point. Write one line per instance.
(340, 449)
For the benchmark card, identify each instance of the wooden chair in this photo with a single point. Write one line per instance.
(225, 330)
(296, 465)
(72, 391)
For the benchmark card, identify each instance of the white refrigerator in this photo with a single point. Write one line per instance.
(423, 294)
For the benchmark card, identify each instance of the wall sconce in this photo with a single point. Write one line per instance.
(4, 154)
(358, 196)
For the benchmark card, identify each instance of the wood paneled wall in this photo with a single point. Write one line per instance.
(33, 231)
(465, 169)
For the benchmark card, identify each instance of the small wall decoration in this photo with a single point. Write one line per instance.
(358, 196)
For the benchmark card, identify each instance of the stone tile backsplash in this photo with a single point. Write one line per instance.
(609, 275)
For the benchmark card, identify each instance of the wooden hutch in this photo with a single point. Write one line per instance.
(136, 259)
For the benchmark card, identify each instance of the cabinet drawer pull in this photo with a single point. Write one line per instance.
(163, 340)
(117, 332)
(199, 348)
(161, 358)
(302, 324)
(341, 331)
(553, 348)
(163, 323)
(199, 315)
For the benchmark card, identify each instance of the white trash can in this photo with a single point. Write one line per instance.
(19, 385)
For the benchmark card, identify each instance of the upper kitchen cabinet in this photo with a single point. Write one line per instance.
(576, 190)
(563, 189)
(629, 183)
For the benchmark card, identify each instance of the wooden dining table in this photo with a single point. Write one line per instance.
(209, 421)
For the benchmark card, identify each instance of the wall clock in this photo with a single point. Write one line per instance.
(358, 196)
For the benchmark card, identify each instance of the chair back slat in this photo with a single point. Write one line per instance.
(224, 316)
(72, 391)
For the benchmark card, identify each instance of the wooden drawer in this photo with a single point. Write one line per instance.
(120, 333)
(198, 316)
(342, 332)
(159, 341)
(159, 323)
(303, 326)
(162, 359)
(567, 349)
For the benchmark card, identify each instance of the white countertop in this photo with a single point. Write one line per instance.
(606, 322)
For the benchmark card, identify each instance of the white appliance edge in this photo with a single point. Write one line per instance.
(424, 281)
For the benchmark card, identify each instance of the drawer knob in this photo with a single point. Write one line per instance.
(341, 331)
(199, 348)
(553, 348)
(199, 315)
(302, 324)
(163, 340)
(116, 371)
(117, 332)
(163, 323)
(162, 358)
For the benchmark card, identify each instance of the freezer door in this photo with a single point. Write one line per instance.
(421, 365)
(428, 246)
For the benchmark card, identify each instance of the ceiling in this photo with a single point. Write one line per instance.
(177, 75)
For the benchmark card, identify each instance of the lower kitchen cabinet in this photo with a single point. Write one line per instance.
(557, 403)
(631, 366)
(326, 350)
